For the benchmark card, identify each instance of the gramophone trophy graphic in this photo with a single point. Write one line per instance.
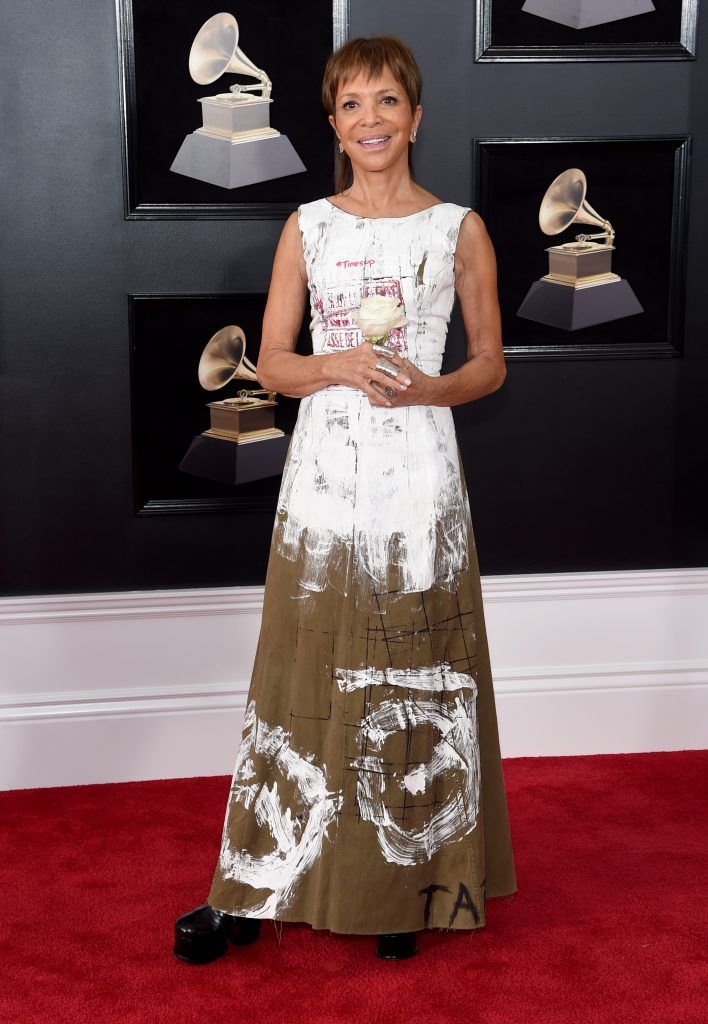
(242, 442)
(580, 288)
(586, 13)
(235, 145)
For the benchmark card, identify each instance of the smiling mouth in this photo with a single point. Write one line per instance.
(376, 143)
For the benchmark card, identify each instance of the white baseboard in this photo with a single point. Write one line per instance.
(116, 687)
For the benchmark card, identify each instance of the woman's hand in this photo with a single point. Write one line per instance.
(356, 367)
(419, 391)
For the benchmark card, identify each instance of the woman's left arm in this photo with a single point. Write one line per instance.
(476, 287)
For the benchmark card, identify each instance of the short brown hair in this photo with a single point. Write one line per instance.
(369, 56)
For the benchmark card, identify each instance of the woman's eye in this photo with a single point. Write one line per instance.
(348, 103)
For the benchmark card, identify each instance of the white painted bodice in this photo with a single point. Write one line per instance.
(411, 258)
(373, 487)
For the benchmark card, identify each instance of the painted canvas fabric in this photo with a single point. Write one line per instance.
(368, 792)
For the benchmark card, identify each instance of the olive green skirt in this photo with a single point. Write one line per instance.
(368, 794)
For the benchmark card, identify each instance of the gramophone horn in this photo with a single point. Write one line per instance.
(564, 204)
(224, 358)
(215, 50)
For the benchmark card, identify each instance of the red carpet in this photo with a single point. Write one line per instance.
(608, 924)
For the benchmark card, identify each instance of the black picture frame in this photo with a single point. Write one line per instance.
(291, 42)
(168, 334)
(641, 185)
(504, 32)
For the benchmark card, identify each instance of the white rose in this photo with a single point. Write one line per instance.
(378, 315)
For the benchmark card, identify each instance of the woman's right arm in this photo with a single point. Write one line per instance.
(279, 367)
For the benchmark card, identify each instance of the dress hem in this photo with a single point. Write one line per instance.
(385, 931)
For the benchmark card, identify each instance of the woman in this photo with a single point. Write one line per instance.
(368, 794)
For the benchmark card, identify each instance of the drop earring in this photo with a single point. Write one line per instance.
(341, 147)
(414, 134)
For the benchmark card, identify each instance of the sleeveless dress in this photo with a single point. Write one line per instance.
(368, 792)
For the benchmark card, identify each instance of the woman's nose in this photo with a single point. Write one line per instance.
(369, 116)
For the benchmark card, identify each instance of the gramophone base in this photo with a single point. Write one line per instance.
(586, 13)
(233, 463)
(571, 308)
(234, 164)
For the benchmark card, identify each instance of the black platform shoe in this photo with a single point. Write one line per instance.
(398, 946)
(203, 934)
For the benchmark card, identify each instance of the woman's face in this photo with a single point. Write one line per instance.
(377, 109)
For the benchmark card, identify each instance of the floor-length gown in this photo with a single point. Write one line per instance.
(368, 793)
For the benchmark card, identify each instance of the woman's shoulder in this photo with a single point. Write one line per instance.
(447, 220)
(456, 211)
(311, 215)
(314, 206)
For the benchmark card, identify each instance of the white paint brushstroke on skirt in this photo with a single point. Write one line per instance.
(297, 845)
(457, 751)
(434, 678)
